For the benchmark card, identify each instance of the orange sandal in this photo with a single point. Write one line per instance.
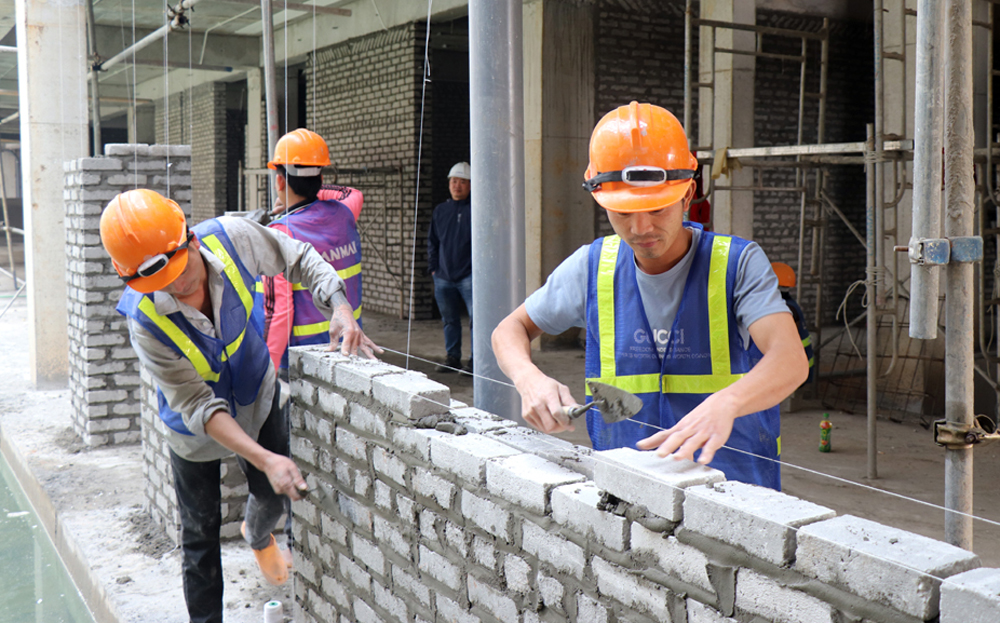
(270, 560)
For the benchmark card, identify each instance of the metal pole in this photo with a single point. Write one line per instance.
(926, 167)
(959, 202)
(95, 93)
(149, 39)
(270, 84)
(872, 325)
(496, 97)
(687, 73)
(879, 204)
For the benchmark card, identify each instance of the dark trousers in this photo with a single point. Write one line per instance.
(451, 296)
(199, 498)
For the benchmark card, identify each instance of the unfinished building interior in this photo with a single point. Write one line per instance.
(817, 139)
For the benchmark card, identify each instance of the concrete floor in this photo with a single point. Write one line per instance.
(91, 499)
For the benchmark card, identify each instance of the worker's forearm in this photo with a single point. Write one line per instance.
(772, 380)
(512, 348)
(223, 428)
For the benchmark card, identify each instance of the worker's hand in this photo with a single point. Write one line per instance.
(343, 325)
(542, 400)
(707, 426)
(279, 205)
(284, 476)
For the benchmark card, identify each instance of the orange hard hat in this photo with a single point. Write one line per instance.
(784, 273)
(144, 231)
(639, 160)
(300, 148)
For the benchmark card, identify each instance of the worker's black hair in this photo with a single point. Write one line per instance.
(307, 187)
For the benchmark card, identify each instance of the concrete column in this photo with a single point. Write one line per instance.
(732, 107)
(141, 122)
(256, 148)
(559, 117)
(51, 46)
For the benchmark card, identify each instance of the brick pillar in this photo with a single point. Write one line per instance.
(104, 371)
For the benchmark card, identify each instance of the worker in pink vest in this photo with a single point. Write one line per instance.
(328, 225)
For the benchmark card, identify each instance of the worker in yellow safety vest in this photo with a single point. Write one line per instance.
(196, 329)
(688, 320)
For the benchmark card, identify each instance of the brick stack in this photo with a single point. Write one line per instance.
(502, 524)
(104, 371)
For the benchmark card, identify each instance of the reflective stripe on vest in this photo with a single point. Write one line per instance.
(718, 321)
(236, 280)
(318, 327)
(182, 341)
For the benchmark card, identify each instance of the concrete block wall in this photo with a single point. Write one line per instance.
(426, 510)
(197, 117)
(370, 89)
(161, 501)
(104, 371)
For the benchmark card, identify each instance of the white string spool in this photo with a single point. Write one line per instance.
(273, 612)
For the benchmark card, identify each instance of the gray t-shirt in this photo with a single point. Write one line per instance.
(562, 302)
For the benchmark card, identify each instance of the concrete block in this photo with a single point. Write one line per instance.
(383, 495)
(517, 574)
(589, 610)
(368, 554)
(527, 480)
(698, 612)
(575, 506)
(389, 602)
(363, 613)
(367, 420)
(333, 530)
(126, 149)
(487, 515)
(450, 611)
(428, 485)
(971, 597)
(484, 553)
(440, 568)
(388, 465)
(351, 445)
(359, 514)
(456, 538)
(674, 558)
(646, 479)
(410, 584)
(759, 595)
(356, 375)
(428, 521)
(758, 520)
(493, 601)
(416, 440)
(178, 151)
(466, 455)
(549, 547)
(560, 452)
(885, 565)
(479, 421)
(332, 403)
(550, 590)
(411, 395)
(355, 574)
(335, 591)
(637, 593)
(99, 164)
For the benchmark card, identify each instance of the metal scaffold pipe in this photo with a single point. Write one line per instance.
(871, 172)
(958, 224)
(926, 168)
(270, 82)
(496, 100)
(172, 24)
(95, 92)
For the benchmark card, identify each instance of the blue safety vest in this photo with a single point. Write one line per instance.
(330, 228)
(704, 353)
(233, 366)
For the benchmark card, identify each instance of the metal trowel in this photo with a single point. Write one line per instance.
(616, 405)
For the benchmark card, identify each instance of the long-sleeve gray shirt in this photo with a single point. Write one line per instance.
(264, 252)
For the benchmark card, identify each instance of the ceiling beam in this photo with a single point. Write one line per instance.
(295, 6)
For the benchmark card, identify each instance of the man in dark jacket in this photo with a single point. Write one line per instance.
(449, 259)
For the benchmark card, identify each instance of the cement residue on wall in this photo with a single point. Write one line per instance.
(505, 524)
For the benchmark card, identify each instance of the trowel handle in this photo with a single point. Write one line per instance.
(575, 411)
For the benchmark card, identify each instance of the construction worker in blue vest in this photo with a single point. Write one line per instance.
(196, 329)
(291, 318)
(786, 281)
(689, 320)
